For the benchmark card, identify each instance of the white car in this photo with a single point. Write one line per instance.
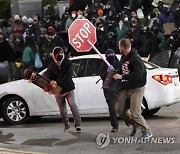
(20, 99)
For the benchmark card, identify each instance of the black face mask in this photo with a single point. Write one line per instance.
(59, 57)
(156, 31)
(166, 14)
(113, 61)
(110, 38)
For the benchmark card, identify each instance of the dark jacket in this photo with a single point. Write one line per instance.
(62, 75)
(148, 45)
(133, 70)
(6, 52)
(114, 61)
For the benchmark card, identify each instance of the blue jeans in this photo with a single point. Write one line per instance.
(69, 96)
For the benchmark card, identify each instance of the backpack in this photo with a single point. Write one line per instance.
(37, 61)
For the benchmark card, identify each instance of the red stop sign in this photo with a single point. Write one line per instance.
(80, 33)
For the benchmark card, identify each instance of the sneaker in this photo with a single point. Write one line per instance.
(114, 130)
(66, 128)
(133, 132)
(78, 129)
(146, 135)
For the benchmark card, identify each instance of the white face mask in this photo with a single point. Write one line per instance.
(73, 15)
(126, 19)
(107, 6)
(120, 24)
(110, 13)
(80, 16)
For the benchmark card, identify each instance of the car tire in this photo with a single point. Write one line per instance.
(15, 111)
(146, 112)
(153, 111)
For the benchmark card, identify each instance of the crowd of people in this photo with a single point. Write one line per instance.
(133, 28)
(151, 27)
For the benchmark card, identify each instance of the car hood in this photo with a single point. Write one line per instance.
(13, 83)
(15, 87)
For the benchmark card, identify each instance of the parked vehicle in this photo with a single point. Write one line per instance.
(20, 100)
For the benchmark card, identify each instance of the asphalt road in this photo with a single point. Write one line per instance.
(47, 136)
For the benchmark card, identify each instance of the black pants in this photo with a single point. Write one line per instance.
(111, 101)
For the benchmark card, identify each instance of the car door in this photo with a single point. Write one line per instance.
(90, 95)
(44, 103)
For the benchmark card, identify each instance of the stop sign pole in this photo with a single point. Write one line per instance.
(82, 36)
(97, 51)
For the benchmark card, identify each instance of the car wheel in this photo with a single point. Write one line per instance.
(15, 111)
(145, 109)
(153, 111)
(146, 112)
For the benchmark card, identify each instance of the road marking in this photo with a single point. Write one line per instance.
(12, 151)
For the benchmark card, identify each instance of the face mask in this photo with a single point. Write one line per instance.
(50, 33)
(126, 19)
(111, 59)
(156, 31)
(107, 6)
(80, 16)
(167, 13)
(110, 13)
(110, 38)
(60, 57)
(73, 15)
(17, 40)
(30, 25)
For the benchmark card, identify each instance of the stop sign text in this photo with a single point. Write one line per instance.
(80, 32)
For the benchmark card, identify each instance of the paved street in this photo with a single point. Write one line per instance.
(47, 136)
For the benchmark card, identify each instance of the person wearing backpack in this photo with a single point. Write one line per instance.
(28, 57)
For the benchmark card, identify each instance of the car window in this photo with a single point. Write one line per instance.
(76, 65)
(175, 63)
(93, 67)
(161, 58)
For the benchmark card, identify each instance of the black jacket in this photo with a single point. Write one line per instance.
(62, 75)
(133, 70)
(6, 52)
(114, 61)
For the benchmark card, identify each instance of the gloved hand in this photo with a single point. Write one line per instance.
(110, 69)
